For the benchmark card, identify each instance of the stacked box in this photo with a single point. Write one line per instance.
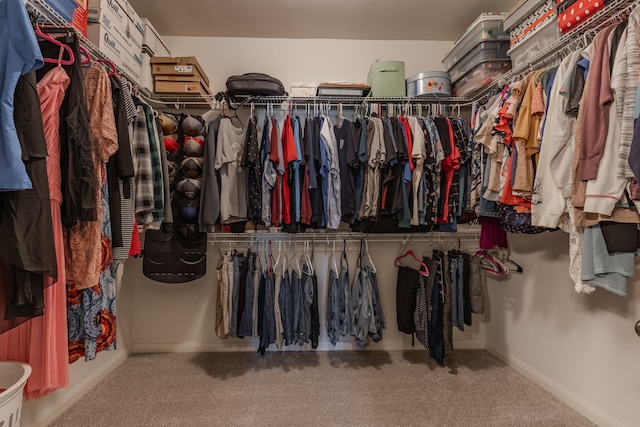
(116, 29)
(180, 75)
(152, 45)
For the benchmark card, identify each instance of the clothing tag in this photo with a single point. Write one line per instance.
(341, 144)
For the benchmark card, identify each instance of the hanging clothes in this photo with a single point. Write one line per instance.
(233, 178)
(42, 342)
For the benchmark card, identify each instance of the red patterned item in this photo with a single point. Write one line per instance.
(572, 13)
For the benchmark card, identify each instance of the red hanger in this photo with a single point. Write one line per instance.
(113, 70)
(66, 48)
(87, 57)
(410, 253)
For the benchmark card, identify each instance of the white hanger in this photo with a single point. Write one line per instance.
(296, 266)
(366, 248)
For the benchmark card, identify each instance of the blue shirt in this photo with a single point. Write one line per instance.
(19, 54)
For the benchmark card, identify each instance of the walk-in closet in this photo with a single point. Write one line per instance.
(319, 213)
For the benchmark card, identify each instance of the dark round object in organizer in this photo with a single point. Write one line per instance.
(192, 126)
(190, 188)
(192, 167)
(189, 214)
(193, 146)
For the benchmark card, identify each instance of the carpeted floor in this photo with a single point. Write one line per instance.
(340, 388)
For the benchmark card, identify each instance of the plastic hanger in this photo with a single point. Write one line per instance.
(86, 62)
(296, 263)
(63, 46)
(410, 253)
(495, 265)
(112, 67)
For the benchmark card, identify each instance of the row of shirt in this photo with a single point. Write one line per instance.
(560, 148)
(301, 173)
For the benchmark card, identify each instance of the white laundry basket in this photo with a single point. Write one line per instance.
(13, 377)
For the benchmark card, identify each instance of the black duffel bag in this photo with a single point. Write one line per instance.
(254, 84)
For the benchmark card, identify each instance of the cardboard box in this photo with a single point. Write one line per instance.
(114, 16)
(146, 77)
(153, 42)
(187, 66)
(185, 88)
(118, 7)
(116, 50)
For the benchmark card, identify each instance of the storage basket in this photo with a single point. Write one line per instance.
(13, 377)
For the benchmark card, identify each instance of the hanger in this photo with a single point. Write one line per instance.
(86, 63)
(63, 47)
(306, 259)
(369, 260)
(112, 70)
(411, 254)
(495, 266)
(297, 265)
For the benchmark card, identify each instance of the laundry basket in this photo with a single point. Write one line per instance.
(13, 377)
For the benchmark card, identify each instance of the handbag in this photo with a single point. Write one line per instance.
(571, 13)
(168, 259)
(254, 84)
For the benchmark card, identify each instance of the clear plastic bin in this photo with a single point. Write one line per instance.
(13, 378)
(485, 51)
(480, 76)
(488, 27)
(534, 42)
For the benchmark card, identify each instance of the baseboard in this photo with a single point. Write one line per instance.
(582, 406)
(75, 393)
(252, 346)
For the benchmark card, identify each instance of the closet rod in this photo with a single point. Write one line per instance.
(340, 236)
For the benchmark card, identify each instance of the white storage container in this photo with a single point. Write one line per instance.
(13, 378)
(488, 27)
(429, 83)
(530, 46)
(520, 12)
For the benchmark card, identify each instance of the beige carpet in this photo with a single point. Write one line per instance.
(341, 388)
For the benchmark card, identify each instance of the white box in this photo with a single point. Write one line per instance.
(116, 50)
(119, 18)
(146, 76)
(153, 42)
(304, 89)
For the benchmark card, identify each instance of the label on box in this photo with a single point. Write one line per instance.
(184, 68)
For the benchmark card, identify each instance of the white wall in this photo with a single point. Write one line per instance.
(581, 347)
(304, 60)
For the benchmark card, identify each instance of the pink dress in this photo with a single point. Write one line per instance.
(42, 341)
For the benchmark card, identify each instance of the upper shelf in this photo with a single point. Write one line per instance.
(613, 10)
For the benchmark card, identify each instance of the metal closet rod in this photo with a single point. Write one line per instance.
(318, 238)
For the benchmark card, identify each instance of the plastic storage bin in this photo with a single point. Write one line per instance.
(13, 377)
(386, 78)
(488, 27)
(429, 83)
(534, 42)
(485, 51)
(480, 76)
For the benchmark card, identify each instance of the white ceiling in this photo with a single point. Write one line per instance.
(323, 19)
